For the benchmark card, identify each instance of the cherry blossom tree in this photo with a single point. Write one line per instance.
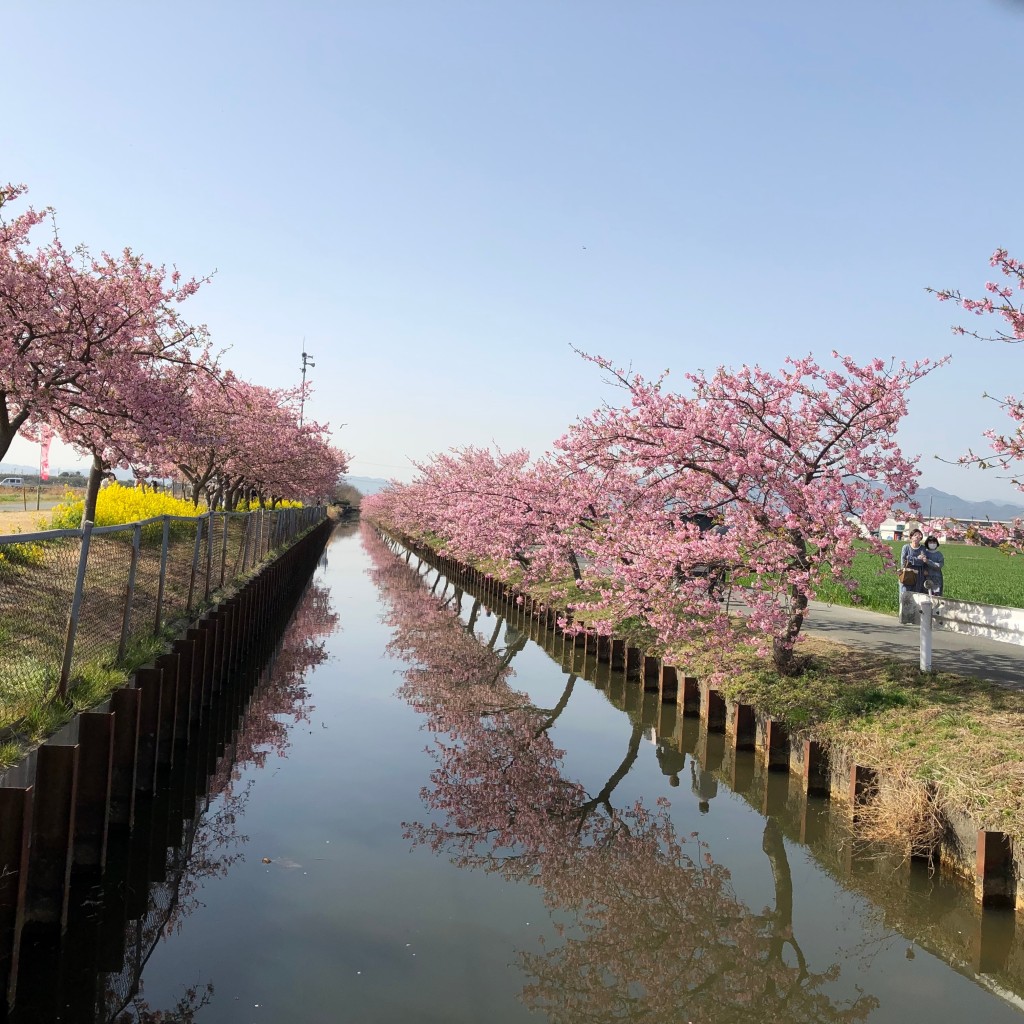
(522, 518)
(268, 455)
(778, 462)
(92, 347)
(1004, 303)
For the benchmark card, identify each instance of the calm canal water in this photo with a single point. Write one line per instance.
(432, 818)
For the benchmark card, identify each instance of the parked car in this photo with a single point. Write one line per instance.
(12, 481)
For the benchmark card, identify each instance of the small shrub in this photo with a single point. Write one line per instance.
(118, 504)
(252, 506)
(29, 553)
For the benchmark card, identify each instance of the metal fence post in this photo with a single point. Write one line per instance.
(163, 574)
(223, 546)
(129, 596)
(209, 554)
(250, 532)
(195, 562)
(76, 608)
(246, 516)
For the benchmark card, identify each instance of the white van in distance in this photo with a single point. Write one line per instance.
(12, 481)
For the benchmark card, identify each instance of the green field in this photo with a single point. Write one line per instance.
(971, 573)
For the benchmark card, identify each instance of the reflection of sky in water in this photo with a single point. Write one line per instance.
(348, 923)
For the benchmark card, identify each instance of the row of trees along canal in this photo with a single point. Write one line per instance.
(652, 923)
(620, 508)
(94, 350)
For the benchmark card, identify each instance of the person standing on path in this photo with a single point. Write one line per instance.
(933, 571)
(912, 556)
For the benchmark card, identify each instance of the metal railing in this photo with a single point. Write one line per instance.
(75, 599)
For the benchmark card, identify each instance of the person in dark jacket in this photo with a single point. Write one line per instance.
(933, 571)
(912, 556)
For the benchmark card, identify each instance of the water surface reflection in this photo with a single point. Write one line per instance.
(567, 848)
(651, 924)
(185, 838)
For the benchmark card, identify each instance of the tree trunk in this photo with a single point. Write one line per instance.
(9, 427)
(92, 490)
(563, 703)
(786, 662)
(604, 797)
(574, 562)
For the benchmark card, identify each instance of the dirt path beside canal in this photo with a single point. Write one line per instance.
(19, 521)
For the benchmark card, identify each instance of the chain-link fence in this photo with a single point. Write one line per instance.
(72, 601)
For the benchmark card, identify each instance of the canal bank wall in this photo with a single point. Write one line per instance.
(928, 913)
(986, 860)
(66, 803)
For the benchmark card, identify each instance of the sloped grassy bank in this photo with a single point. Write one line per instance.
(95, 680)
(950, 747)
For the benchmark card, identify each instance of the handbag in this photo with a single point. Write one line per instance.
(906, 575)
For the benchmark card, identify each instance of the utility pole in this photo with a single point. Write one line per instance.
(306, 361)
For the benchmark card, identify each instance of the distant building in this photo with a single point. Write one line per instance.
(899, 529)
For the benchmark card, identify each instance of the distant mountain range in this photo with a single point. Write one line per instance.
(17, 469)
(937, 504)
(934, 503)
(367, 484)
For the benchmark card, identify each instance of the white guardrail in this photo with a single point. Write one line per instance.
(985, 620)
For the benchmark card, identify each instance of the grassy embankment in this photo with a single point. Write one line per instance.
(32, 600)
(31, 578)
(962, 735)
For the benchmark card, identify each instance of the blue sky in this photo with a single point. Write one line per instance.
(443, 198)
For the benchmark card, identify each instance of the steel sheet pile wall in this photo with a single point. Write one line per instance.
(70, 599)
(791, 778)
(127, 774)
(987, 859)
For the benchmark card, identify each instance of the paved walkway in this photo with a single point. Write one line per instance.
(951, 652)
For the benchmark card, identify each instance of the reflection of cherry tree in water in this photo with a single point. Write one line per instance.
(657, 928)
(281, 700)
(184, 1010)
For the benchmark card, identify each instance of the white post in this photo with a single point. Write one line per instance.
(926, 634)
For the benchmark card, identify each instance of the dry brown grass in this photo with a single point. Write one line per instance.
(942, 743)
(36, 594)
(945, 744)
(903, 813)
(18, 521)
